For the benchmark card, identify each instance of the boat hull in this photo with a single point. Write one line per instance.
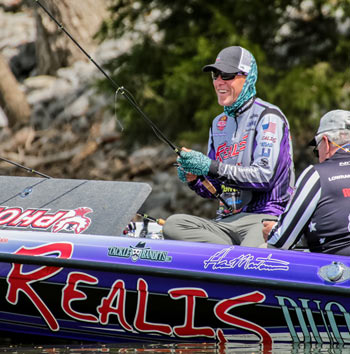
(119, 289)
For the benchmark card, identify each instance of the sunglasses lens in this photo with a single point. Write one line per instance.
(224, 76)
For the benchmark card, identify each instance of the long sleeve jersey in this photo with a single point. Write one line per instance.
(319, 209)
(252, 151)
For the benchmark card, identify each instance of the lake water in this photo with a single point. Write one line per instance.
(184, 348)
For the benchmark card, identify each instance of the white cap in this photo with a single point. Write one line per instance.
(333, 120)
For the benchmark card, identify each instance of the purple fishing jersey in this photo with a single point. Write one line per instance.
(252, 152)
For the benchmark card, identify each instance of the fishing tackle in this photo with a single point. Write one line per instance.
(24, 167)
(131, 100)
(145, 216)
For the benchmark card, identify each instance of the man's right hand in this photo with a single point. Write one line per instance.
(267, 226)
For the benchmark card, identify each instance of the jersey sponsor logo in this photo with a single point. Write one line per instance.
(251, 124)
(222, 123)
(225, 151)
(266, 144)
(264, 162)
(346, 192)
(269, 128)
(269, 138)
(335, 178)
(344, 163)
(266, 152)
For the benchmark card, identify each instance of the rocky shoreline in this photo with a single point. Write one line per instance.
(72, 134)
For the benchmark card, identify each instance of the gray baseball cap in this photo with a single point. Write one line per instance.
(333, 120)
(231, 60)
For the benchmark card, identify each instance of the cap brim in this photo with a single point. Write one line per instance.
(221, 67)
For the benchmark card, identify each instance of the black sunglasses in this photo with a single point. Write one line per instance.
(315, 150)
(224, 76)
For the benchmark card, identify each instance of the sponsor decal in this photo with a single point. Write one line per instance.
(251, 124)
(74, 220)
(222, 260)
(222, 123)
(269, 128)
(266, 152)
(112, 307)
(269, 138)
(225, 151)
(4, 240)
(346, 192)
(266, 144)
(335, 178)
(302, 318)
(140, 251)
(264, 162)
(344, 163)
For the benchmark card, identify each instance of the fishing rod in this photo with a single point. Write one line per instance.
(24, 167)
(130, 99)
(146, 216)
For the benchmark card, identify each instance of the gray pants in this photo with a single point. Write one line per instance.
(243, 229)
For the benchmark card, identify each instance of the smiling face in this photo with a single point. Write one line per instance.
(228, 90)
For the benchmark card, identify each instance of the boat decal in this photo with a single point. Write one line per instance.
(69, 220)
(132, 305)
(114, 303)
(140, 251)
(221, 260)
(20, 281)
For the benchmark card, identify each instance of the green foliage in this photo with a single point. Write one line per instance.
(301, 47)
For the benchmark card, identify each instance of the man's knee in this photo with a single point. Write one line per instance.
(171, 225)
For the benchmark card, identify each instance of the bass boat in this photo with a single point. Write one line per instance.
(68, 270)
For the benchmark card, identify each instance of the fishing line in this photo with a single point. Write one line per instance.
(132, 101)
(115, 112)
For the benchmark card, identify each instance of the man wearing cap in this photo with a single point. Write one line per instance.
(249, 161)
(320, 206)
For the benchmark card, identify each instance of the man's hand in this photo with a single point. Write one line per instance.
(184, 176)
(267, 226)
(194, 162)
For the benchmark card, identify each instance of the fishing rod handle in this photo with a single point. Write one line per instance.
(208, 185)
(160, 221)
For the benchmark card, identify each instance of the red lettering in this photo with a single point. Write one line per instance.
(234, 152)
(140, 319)
(8, 215)
(346, 192)
(26, 218)
(105, 309)
(243, 143)
(223, 307)
(188, 329)
(19, 281)
(48, 219)
(70, 293)
(221, 149)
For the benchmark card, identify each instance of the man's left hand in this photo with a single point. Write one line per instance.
(194, 162)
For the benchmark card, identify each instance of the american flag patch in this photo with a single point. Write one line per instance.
(269, 128)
